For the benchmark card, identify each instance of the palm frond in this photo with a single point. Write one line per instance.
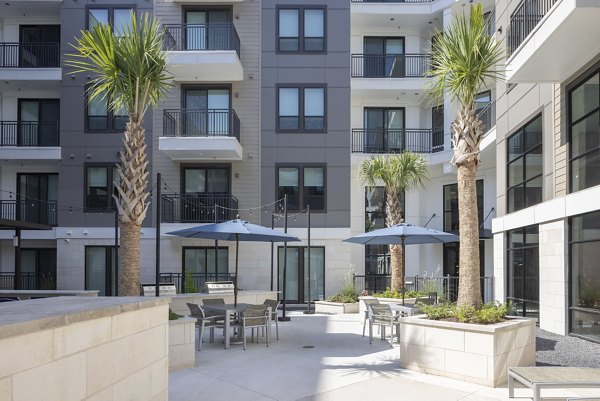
(398, 173)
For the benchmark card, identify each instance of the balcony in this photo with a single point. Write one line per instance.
(550, 40)
(381, 72)
(191, 208)
(30, 211)
(30, 61)
(190, 135)
(397, 140)
(29, 140)
(204, 52)
(389, 15)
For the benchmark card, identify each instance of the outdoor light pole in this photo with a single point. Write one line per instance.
(116, 249)
(158, 195)
(284, 318)
(308, 311)
(272, 246)
(216, 254)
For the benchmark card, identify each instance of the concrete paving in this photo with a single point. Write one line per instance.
(321, 358)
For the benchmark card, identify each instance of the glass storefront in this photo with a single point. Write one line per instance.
(523, 276)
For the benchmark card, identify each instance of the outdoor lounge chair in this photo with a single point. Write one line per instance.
(542, 377)
(381, 315)
(255, 317)
(273, 304)
(203, 322)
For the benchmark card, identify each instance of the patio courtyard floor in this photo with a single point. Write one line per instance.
(323, 358)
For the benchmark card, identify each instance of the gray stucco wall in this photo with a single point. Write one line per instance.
(332, 147)
(79, 147)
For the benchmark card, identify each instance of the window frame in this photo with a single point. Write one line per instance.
(111, 12)
(479, 210)
(301, 167)
(301, 117)
(301, 38)
(111, 168)
(110, 118)
(583, 78)
(522, 156)
(205, 249)
(109, 259)
(523, 246)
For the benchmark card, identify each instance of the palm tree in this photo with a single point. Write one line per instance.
(464, 58)
(398, 173)
(130, 70)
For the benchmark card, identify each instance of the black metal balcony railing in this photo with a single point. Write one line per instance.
(197, 37)
(391, 1)
(390, 65)
(524, 19)
(201, 123)
(29, 55)
(198, 280)
(28, 281)
(30, 211)
(445, 286)
(397, 140)
(28, 133)
(190, 208)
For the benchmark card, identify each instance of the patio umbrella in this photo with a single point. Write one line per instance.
(403, 234)
(235, 230)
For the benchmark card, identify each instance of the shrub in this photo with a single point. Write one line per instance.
(188, 283)
(439, 311)
(398, 294)
(348, 293)
(488, 314)
(173, 315)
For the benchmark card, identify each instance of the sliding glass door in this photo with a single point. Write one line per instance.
(297, 276)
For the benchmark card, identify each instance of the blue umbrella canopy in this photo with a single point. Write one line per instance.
(405, 234)
(235, 230)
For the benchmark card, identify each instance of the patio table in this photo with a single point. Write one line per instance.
(399, 308)
(226, 310)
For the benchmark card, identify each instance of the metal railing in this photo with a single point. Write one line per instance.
(29, 55)
(198, 37)
(446, 286)
(391, 1)
(29, 133)
(186, 122)
(397, 140)
(31, 211)
(190, 208)
(28, 281)
(198, 280)
(524, 19)
(390, 65)
(488, 116)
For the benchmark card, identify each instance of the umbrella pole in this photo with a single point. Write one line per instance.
(403, 268)
(284, 318)
(237, 251)
(308, 311)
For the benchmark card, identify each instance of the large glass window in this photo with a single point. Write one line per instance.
(451, 221)
(584, 133)
(301, 30)
(200, 262)
(525, 166)
(117, 17)
(100, 272)
(101, 183)
(303, 186)
(585, 275)
(301, 108)
(37, 196)
(100, 118)
(297, 277)
(523, 276)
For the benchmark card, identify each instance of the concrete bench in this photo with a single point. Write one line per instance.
(544, 377)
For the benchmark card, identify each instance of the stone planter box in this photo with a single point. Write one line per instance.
(473, 353)
(335, 307)
(182, 343)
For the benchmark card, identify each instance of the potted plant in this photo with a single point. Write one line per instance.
(345, 301)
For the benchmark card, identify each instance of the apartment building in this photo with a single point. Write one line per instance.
(391, 112)
(546, 235)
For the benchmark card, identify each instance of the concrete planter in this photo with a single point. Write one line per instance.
(335, 307)
(182, 341)
(473, 353)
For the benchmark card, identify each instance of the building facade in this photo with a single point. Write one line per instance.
(546, 235)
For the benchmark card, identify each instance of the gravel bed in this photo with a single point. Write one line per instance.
(556, 350)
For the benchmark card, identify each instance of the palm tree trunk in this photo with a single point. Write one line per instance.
(393, 217)
(469, 293)
(129, 260)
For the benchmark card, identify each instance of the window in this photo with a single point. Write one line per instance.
(584, 251)
(522, 256)
(451, 206)
(201, 263)
(100, 272)
(301, 108)
(100, 184)
(117, 17)
(301, 30)
(524, 166)
(100, 118)
(303, 186)
(584, 133)
(297, 279)
(384, 57)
